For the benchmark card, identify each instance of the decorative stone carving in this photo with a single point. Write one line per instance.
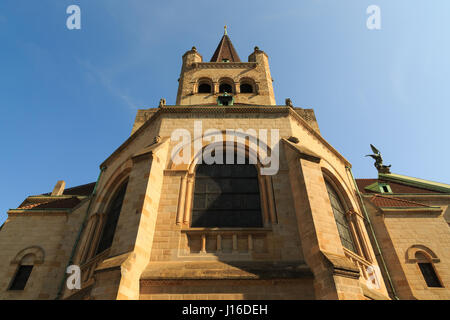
(289, 102)
(157, 139)
(379, 161)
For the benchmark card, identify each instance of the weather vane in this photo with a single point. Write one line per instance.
(379, 161)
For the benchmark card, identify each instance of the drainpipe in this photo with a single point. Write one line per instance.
(373, 236)
(83, 225)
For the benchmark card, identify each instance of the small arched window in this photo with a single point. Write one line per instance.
(112, 217)
(428, 270)
(246, 88)
(340, 217)
(226, 195)
(225, 87)
(204, 88)
(23, 273)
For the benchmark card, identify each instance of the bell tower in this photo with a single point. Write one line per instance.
(225, 79)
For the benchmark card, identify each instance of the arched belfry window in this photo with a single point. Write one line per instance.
(112, 217)
(204, 88)
(340, 217)
(225, 87)
(246, 88)
(226, 195)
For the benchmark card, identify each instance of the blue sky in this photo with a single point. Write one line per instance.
(68, 98)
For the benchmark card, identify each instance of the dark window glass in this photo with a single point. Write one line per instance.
(226, 195)
(111, 220)
(429, 275)
(341, 219)
(225, 87)
(246, 88)
(204, 88)
(21, 278)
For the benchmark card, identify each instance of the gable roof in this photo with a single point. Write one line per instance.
(68, 200)
(82, 190)
(395, 187)
(416, 182)
(49, 203)
(225, 50)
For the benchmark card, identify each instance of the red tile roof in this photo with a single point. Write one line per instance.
(392, 202)
(48, 203)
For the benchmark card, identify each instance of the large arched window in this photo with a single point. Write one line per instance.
(226, 195)
(112, 217)
(340, 217)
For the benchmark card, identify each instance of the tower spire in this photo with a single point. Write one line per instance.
(225, 50)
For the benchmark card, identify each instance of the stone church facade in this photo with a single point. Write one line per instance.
(296, 227)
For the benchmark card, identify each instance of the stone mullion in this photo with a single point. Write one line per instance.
(181, 200)
(356, 219)
(354, 232)
(93, 220)
(270, 196)
(97, 234)
(189, 197)
(264, 201)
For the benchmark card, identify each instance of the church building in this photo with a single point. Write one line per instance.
(227, 195)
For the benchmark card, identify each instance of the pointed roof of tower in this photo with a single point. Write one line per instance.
(225, 50)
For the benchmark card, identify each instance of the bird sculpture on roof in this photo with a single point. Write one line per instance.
(378, 160)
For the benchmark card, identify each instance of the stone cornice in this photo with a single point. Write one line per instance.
(38, 212)
(56, 197)
(302, 152)
(411, 210)
(224, 110)
(217, 270)
(148, 151)
(341, 265)
(318, 136)
(224, 65)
